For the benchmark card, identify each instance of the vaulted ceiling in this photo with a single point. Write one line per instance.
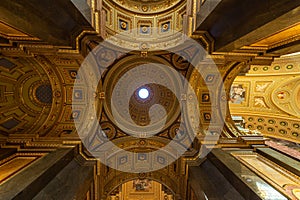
(271, 101)
(43, 45)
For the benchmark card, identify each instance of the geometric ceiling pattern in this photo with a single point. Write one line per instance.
(139, 17)
(268, 98)
(54, 68)
(22, 105)
(139, 109)
(130, 66)
(38, 71)
(34, 93)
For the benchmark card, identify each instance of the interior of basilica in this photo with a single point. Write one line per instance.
(150, 100)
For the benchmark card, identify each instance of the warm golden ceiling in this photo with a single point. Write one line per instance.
(41, 54)
(35, 65)
(270, 102)
(144, 19)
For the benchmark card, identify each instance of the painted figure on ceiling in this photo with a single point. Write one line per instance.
(237, 94)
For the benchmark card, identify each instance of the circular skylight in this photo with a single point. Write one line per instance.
(143, 93)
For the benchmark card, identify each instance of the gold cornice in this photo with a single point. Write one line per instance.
(254, 48)
(240, 54)
(19, 38)
(37, 47)
(280, 38)
(12, 33)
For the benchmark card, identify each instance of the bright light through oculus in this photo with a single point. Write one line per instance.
(143, 93)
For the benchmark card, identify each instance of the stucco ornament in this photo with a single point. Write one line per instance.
(128, 160)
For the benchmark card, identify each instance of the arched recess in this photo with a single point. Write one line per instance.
(141, 179)
(25, 104)
(215, 98)
(172, 175)
(160, 176)
(266, 100)
(234, 69)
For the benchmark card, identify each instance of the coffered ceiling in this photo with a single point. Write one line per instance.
(43, 45)
(271, 98)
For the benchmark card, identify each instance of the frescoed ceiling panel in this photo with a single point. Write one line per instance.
(268, 98)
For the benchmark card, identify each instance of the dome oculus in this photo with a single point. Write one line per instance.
(143, 93)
